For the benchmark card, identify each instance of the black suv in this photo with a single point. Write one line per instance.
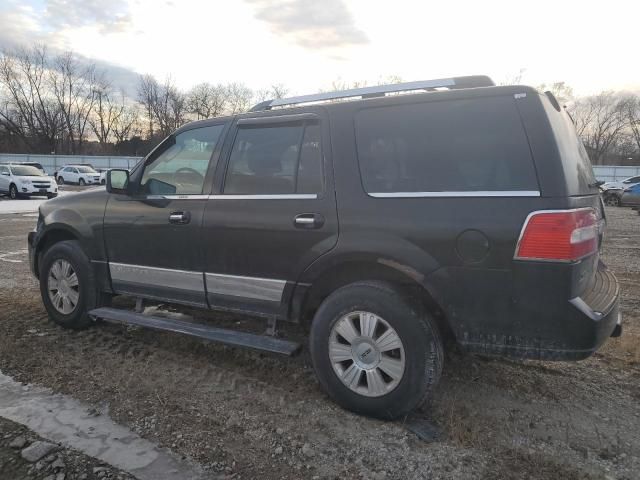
(386, 222)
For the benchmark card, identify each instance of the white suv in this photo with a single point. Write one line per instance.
(80, 174)
(25, 180)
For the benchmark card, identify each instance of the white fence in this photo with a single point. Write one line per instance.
(614, 173)
(52, 163)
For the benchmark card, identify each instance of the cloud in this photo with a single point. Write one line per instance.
(22, 27)
(310, 23)
(112, 16)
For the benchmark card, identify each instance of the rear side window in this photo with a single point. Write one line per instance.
(276, 159)
(468, 145)
(577, 167)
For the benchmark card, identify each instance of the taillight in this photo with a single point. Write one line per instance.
(558, 235)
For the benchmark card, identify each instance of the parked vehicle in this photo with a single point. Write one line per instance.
(28, 164)
(386, 224)
(628, 182)
(631, 196)
(103, 175)
(20, 180)
(80, 174)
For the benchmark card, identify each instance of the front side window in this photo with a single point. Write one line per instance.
(182, 163)
(469, 145)
(276, 159)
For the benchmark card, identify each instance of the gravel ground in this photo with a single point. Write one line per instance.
(250, 415)
(25, 456)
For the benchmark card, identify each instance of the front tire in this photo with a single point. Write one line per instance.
(374, 351)
(68, 286)
(51, 195)
(81, 182)
(13, 192)
(60, 181)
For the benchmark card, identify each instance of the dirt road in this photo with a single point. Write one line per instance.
(249, 415)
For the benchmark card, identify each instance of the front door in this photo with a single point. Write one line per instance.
(273, 212)
(152, 236)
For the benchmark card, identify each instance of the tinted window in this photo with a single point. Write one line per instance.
(575, 160)
(281, 159)
(4, 169)
(461, 145)
(180, 165)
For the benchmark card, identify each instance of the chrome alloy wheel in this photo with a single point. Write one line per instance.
(63, 287)
(366, 353)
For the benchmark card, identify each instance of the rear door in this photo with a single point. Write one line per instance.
(273, 211)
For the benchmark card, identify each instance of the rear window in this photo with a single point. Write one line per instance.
(472, 145)
(575, 160)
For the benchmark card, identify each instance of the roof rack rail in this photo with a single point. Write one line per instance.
(380, 91)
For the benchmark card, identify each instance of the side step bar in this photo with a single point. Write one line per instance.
(222, 335)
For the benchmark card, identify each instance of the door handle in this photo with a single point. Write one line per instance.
(180, 218)
(308, 220)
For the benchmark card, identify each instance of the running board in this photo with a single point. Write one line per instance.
(222, 335)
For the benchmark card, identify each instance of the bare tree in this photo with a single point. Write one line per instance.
(165, 106)
(633, 116)
(275, 91)
(106, 114)
(27, 111)
(560, 90)
(127, 124)
(239, 98)
(600, 120)
(73, 87)
(206, 100)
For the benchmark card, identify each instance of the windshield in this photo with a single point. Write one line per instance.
(86, 170)
(26, 171)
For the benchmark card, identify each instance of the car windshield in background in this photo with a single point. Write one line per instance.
(86, 170)
(26, 171)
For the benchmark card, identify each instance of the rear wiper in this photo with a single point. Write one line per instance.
(596, 184)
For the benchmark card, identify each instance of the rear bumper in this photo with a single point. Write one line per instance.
(573, 330)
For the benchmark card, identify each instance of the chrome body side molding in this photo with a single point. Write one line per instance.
(246, 287)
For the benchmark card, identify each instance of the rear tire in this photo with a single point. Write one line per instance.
(419, 349)
(68, 286)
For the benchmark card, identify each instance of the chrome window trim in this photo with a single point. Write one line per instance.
(246, 287)
(156, 276)
(279, 196)
(177, 197)
(474, 193)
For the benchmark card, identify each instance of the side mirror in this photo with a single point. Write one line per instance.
(117, 181)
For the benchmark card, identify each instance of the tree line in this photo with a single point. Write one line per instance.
(59, 103)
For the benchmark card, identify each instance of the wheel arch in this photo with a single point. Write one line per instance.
(54, 234)
(307, 297)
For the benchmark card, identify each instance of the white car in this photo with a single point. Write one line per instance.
(103, 175)
(626, 183)
(80, 174)
(25, 181)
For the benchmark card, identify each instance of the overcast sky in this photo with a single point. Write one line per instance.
(307, 44)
